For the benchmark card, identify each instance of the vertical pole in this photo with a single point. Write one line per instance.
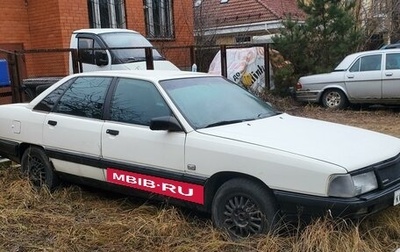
(266, 64)
(192, 57)
(149, 58)
(76, 63)
(15, 79)
(224, 70)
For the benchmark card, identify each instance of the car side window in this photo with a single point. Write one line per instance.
(392, 61)
(356, 66)
(367, 63)
(48, 103)
(371, 63)
(86, 50)
(137, 102)
(85, 97)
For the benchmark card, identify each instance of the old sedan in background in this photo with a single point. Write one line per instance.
(370, 77)
(200, 141)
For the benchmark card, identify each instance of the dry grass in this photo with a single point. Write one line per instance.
(81, 219)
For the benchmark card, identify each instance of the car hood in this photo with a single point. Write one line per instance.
(325, 78)
(345, 146)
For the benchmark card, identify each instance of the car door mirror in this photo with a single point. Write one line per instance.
(101, 58)
(165, 123)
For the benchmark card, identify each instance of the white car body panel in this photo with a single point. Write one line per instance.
(137, 144)
(79, 169)
(30, 124)
(364, 149)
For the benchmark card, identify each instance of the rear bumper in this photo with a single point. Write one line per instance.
(307, 96)
(10, 150)
(294, 205)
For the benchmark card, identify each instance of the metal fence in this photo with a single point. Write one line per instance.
(55, 63)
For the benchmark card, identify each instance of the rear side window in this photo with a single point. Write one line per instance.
(48, 103)
(137, 102)
(85, 97)
(392, 61)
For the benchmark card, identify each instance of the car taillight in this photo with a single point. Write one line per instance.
(299, 86)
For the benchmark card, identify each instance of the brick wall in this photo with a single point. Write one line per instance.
(49, 23)
(184, 36)
(14, 25)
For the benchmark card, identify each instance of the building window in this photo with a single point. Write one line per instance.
(107, 13)
(159, 20)
(243, 39)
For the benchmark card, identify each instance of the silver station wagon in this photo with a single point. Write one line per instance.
(370, 77)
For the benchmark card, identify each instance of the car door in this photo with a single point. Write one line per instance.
(91, 59)
(72, 130)
(127, 141)
(391, 77)
(364, 78)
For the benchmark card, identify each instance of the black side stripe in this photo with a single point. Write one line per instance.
(146, 170)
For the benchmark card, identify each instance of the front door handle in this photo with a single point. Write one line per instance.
(112, 132)
(52, 123)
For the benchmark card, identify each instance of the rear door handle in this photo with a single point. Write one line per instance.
(112, 132)
(52, 123)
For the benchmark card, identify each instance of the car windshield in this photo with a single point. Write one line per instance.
(213, 101)
(129, 39)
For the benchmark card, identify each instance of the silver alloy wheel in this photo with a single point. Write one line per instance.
(333, 99)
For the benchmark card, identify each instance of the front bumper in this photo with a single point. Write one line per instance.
(295, 205)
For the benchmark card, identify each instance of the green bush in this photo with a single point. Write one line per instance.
(284, 80)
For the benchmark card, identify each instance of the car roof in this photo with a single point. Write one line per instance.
(151, 75)
(349, 59)
(103, 30)
(390, 46)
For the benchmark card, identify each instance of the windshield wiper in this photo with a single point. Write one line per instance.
(134, 59)
(220, 123)
(267, 114)
(137, 59)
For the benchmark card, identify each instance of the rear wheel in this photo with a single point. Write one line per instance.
(36, 165)
(244, 208)
(334, 99)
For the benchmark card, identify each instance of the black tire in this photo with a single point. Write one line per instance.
(334, 99)
(36, 165)
(244, 208)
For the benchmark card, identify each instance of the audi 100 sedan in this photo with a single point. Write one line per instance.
(200, 141)
(370, 77)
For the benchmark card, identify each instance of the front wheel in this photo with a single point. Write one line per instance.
(244, 208)
(36, 165)
(334, 99)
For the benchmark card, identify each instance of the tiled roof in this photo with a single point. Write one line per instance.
(240, 12)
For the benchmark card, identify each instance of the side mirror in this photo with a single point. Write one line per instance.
(165, 123)
(101, 58)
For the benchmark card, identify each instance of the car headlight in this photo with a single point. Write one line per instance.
(347, 186)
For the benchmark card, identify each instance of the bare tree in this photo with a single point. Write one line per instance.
(380, 19)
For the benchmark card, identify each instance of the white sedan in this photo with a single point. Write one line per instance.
(200, 141)
(370, 77)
